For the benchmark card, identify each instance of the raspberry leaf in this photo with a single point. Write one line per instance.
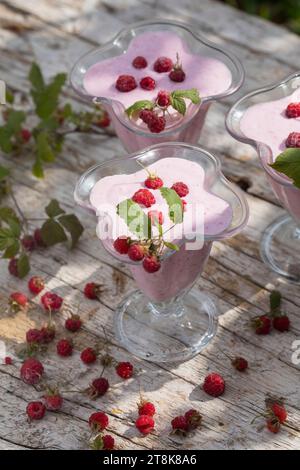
(71, 223)
(138, 106)
(36, 78)
(4, 172)
(44, 150)
(52, 232)
(53, 209)
(171, 246)
(135, 218)
(23, 265)
(175, 204)
(178, 103)
(275, 301)
(192, 94)
(288, 163)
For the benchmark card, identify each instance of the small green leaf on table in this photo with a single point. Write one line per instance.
(52, 232)
(71, 223)
(23, 265)
(53, 209)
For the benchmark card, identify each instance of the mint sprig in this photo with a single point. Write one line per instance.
(138, 106)
(288, 163)
(135, 218)
(178, 102)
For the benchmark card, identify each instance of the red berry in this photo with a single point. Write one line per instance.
(240, 364)
(193, 418)
(104, 121)
(180, 424)
(28, 242)
(177, 75)
(18, 299)
(144, 197)
(126, 83)
(8, 361)
(13, 267)
(36, 284)
(273, 425)
(281, 323)
(163, 99)
(108, 442)
(136, 252)
(156, 217)
(92, 290)
(153, 182)
(51, 301)
(279, 411)
(98, 421)
(157, 124)
(139, 62)
(145, 424)
(47, 334)
(33, 336)
(151, 264)
(64, 348)
(163, 64)
(181, 189)
(98, 387)
(35, 410)
(293, 110)
(73, 323)
(146, 115)
(31, 371)
(293, 140)
(88, 356)
(38, 238)
(124, 370)
(146, 408)
(26, 135)
(262, 325)
(121, 245)
(214, 385)
(53, 401)
(147, 83)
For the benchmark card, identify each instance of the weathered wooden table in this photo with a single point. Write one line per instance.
(55, 33)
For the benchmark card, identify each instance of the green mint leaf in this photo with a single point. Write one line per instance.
(44, 151)
(7, 213)
(23, 265)
(6, 238)
(192, 94)
(178, 103)
(14, 121)
(288, 163)
(53, 209)
(275, 301)
(135, 218)
(71, 223)
(52, 233)
(15, 227)
(171, 246)
(12, 250)
(5, 143)
(36, 78)
(37, 168)
(9, 97)
(4, 172)
(175, 204)
(138, 106)
(46, 99)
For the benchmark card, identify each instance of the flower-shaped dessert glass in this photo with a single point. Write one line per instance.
(166, 321)
(220, 74)
(280, 244)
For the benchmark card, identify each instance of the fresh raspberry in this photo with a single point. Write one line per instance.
(145, 424)
(108, 442)
(293, 140)
(281, 323)
(163, 64)
(121, 245)
(148, 83)
(28, 242)
(156, 217)
(139, 62)
(35, 410)
(157, 124)
(214, 385)
(26, 135)
(8, 361)
(163, 99)
(51, 301)
(47, 334)
(279, 411)
(261, 324)
(73, 323)
(177, 75)
(64, 348)
(98, 421)
(153, 182)
(38, 238)
(144, 197)
(31, 371)
(146, 408)
(92, 290)
(124, 370)
(13, 267)
(126, 83)
(193, 418)
(104, 121)
(98, 387)
(136, 252)
(240, 364)
(146, 115)
(53, 401)
(180, 425)
(273, 425)
(293, 110)
(88, 356)
(36, 284)
(151, 264)
(33, 336)
(18, 300)
(181, 189)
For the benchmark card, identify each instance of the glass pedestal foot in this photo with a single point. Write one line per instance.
(160, 337)
(280, 247)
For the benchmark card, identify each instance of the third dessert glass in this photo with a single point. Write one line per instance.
(190, 204)
(209, 69)
(259, 119)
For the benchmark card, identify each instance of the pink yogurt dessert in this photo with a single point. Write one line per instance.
(204, 214)
(269, 124)
(208, 75)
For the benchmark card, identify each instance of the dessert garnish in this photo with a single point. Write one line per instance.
(288, 163)
(293, 140)
(293, 110)
(163, 64)
(177, 74)
(139, 62)
(147, 83)
(126, 83)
